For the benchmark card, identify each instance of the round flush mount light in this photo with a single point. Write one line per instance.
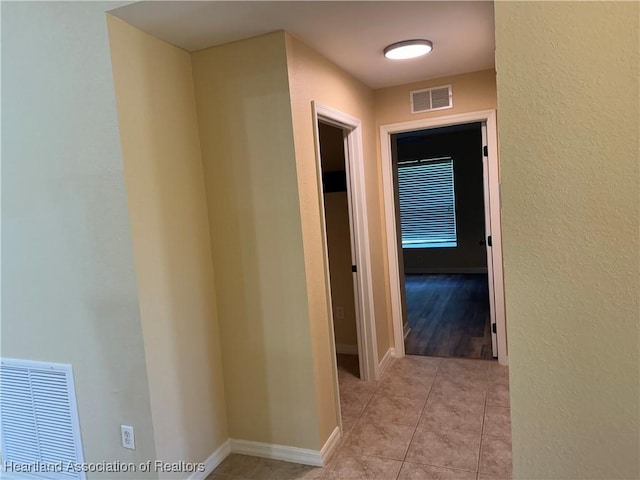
(408, 49)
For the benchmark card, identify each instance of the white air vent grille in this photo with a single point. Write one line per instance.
(39, 419)
(429, 99)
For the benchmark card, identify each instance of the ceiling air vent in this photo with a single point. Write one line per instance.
(429, 99)
(39, 420)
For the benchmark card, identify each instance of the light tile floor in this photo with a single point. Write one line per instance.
(427, 418)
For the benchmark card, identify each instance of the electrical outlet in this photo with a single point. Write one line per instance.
(128, 439)
(339, 313)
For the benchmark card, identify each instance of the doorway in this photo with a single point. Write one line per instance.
(389, 136)
(440, 216)
(345, 173)
(331, 140)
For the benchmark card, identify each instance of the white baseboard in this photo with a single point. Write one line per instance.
(213, 461)
(386, 361)
(316, 458)
(330, 445)
(304, 456)
(346, 349)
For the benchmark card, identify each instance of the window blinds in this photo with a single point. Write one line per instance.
(427, 203)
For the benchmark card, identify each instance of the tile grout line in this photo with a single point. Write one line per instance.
(455, 469)
(360, 416)
(506, 437)
(344, 439)
(415, 429)
(439, 374)
(484, 413)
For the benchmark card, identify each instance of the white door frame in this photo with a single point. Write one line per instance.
(357, 199)
(489, 117)
(486, 188)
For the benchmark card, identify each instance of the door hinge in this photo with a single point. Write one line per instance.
(493, 328)
(485, 151)
(489, 241)
(354, 268)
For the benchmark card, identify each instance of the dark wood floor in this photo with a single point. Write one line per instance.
(448, 316)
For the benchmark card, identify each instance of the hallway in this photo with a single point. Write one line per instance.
(428, 418)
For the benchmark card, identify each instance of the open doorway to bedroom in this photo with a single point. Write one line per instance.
(440, 218)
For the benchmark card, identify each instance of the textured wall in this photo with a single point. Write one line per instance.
(69, 291)
(170, 228)
(569, 125)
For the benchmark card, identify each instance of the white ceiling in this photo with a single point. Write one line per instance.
(351, 34)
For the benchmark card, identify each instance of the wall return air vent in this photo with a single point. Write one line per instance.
(429, 99)
(39, 427)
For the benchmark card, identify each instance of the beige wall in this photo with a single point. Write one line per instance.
(338, 244)
(312, 77)
(170, 228)
(244, 115)
(472, 92)
(569, 134)
(69, 293)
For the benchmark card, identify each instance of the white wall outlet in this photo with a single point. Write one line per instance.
(128, 439)
(339, 313)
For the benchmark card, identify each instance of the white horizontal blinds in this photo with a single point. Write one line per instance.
(427, 203)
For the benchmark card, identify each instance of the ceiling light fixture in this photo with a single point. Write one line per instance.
(408, 49)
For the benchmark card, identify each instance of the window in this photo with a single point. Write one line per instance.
(427, 203)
